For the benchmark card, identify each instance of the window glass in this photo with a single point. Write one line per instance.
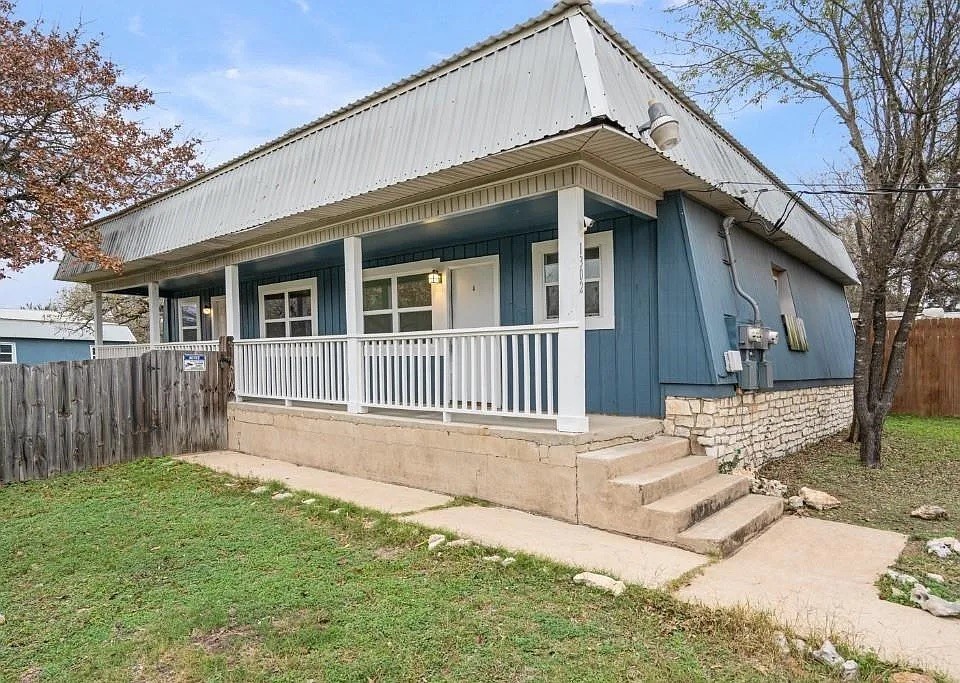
(299, 304)
(551, 268)
(414, 321)
(188, 315)
(273, 306)
(591, 294)
(413, 291)
(377, 295)
(591, 263)
(276, 329)
(6, 353)
(301, 328)
(553, 302)
(189, 334)
(378, 324)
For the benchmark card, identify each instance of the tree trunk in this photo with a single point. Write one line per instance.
(870, 445)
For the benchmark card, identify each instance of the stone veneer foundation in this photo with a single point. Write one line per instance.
(752, 428)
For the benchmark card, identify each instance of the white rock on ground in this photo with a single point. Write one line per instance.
(460, 543)
(783, 645)
(935, 577)
(601, 582)
(818, 500)
(936, 605)
(850, 671)
(768, 487)
(336, 512)
(3, 619)
(435, 541)
(800, 645)
(795, 502)
(827, 654)
(492, 558)
(900, 577)
(308, 501)
(283, 495)
(929, 512)
(943, 547)
(507, 561)
(259, 490)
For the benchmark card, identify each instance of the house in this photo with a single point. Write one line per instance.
(34, 337)
(511, 276)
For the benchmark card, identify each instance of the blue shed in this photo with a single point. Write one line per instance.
(33, 337)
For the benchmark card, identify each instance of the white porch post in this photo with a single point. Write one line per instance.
(97, 322)
(153, 294)
(231, 278)
(571, 346)
(353, 280)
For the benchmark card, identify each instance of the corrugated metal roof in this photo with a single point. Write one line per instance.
(513, 89)
(24, 324)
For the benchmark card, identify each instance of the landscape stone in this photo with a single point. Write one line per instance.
(934, 604)
(259, 490)
(929, 512)
(507, 561)
(900, 577)
(768, 487)
(818, 500)
(827, 654)
(943, 547)
(283, 495)
(795, 502)
(783, 645)
(935, 577)
(309, 501)
(460, 543)
(435, 541)
(850, 671)
(800, 645)
(492, 558)
(3, 619)
(601, 582)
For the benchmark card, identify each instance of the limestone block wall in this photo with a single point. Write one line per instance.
(752, 428)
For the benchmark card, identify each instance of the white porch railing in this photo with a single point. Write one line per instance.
(132, 350)
(505, 371)
(294, 369)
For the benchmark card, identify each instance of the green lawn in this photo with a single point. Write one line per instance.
(921, 464)
(163, 571)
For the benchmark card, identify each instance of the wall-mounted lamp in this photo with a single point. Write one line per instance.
(435, 278)
(207, 310)
(662, 128)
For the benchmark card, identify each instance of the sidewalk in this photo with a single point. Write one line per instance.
(811, 574)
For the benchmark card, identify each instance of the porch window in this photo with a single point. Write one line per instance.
(188, 311)
(288, 309)
(397, 303)
(8, 353)
(597, 281)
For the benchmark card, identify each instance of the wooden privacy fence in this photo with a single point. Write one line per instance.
(72, 416)
(930, 385)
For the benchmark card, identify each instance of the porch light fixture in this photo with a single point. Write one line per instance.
(434, 278)
(207, 310)
(662, 128)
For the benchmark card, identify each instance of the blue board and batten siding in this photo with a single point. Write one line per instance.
(675, 305)
(31, 351)
(699, 306)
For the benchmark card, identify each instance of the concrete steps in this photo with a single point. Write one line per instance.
(657, 489)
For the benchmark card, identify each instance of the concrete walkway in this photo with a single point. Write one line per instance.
(813, 575)
(818, 576)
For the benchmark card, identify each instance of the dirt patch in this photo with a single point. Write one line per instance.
(388, 553)
(300, 619)
(31, 675)
(223, 639)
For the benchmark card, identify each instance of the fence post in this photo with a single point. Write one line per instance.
(225, 368)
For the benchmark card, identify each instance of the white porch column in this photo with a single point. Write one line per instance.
(571, 347)
(353, 277)
(153, 297)
(231, 278)
(97, 320)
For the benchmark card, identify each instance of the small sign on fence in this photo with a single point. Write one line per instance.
(195, 362)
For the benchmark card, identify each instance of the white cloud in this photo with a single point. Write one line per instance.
(135, 25)
(303, 5)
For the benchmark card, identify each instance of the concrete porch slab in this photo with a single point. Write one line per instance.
(818, 576)
(629, 559)
(389, 498)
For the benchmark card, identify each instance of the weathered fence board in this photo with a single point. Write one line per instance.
(930, 385)
(73, 416)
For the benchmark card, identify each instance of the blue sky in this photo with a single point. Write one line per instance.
(236, 73)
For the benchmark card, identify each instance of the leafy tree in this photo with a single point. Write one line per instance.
(76, 304)
(889, 72)
(70, 149)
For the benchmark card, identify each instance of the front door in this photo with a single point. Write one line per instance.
(474, 294)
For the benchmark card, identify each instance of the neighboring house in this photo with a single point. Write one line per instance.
(508, 238)
(34, 337)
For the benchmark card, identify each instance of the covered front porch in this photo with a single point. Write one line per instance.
(522, 313)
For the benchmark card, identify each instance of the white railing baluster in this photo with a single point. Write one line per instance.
(536, 372)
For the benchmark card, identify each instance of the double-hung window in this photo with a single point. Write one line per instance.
(8, 353)
(397, 303)
(598, 297)
(288, 309)
(188, 314)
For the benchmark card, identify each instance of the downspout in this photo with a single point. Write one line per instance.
(725, 232)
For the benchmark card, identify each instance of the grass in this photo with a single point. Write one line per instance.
(164, 571)
(921, 464)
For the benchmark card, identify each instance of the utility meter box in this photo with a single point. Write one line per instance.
(765, 375)
(749, 377)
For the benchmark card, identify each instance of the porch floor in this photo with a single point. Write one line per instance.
(605, 430)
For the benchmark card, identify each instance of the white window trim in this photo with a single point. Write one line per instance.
(13, 353)
(437, 300)
(309, 283)
(604, 240)
(214, 300)
(194, 300)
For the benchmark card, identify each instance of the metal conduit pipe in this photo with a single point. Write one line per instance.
(725, 231)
